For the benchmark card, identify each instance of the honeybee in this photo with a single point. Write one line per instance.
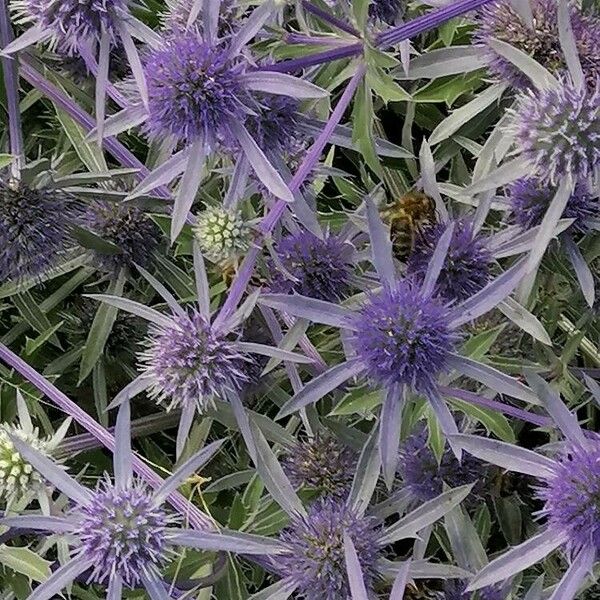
(407, 217)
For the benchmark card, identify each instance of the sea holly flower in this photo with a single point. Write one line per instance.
(402, 338)
(120, 534)
(568, 485)
(455, 590)
(192, 357)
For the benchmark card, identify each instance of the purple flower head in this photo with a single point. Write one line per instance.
(455, 590)
(74, 23)
(189, 362)
(571, 496)
(123, 532)
(529, 199)
(35, 229)
(558, 131)
(501, 21)
(175, 20)
(467, 266)
(321, 463)
(311, 266)
(425, 477)
(388, 11)
(194, 89)
(403, 338)
(128, 228)
(315, 557)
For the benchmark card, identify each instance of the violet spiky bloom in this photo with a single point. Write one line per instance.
(315, 557)
(190, 362)
(321, 463)
(175, 19)
(194, 89)
(73, 23)
(530, 198)
(388, 11)
(35, 229)
(128, 228)
(425, 477)
(314, 267)
(402, 337)
(571, 495)
(123, 532)
(467, 266)
(558, 131)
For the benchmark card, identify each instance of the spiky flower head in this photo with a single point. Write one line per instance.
(455, 590)
(499, 20)
(126, 227)
(315, 560)
(35, 229)
(222, 233)
(322, 463)
(388, 11)
(189, 362)
(558, 131)
(468, 263)
(312, 266)
(194, 89)
(425, 477)
(530, 198)
(402, 337)
(571, 495)
(74, 24)
(123, 532)
(178, 13)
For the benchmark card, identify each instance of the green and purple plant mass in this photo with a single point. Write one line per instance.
(298, 299)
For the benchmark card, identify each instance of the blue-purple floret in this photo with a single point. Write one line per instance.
(312, 266)
(190, 362)
(123, 532)
(572, 496)
(558, 131)
(402, 337)
(467, 266)
(315, 560)
(194, 89)
(530, 198)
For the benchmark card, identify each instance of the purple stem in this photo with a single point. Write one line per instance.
(111, 144)
(242, 279)
(92, 66)
(329, 18)
(288, 66)
(513, 411)
(196, 518)
(11, 85)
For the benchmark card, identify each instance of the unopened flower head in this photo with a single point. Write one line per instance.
(388, 11)
(571, 495)
(403, 338)
(321, 463)
(312, 266)
(499, 20)
(315, 560)
(467, 266)
(530, 198)
(189, 362)
(194, 89)
(558, 131)
(35, 229)
(74, 23)
(123, 532)
(221, 233)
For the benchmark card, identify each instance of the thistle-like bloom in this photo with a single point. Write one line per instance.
(388, 11)
(188, 362)
(35, 229)
(530, 199)
(321, 463)
(72, 24)
(221, 233)
(178, 13)
(467, 266)
(195, 89)
(120, 533)
(315, 559)
(501, 21)
(558, 131)
(312, 266)
(134, 235)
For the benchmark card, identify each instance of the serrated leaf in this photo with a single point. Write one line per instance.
(26, 562)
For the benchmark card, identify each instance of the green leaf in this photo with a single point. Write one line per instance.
(358, 401)
(5, 160)
(26, 562)
(362, 132)
(509, 519)
(33, 314)
(448, 89)
(385, 87)
(479, 345)
(493, 421)
(361, 12)
(31, 345)
(88, 239)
